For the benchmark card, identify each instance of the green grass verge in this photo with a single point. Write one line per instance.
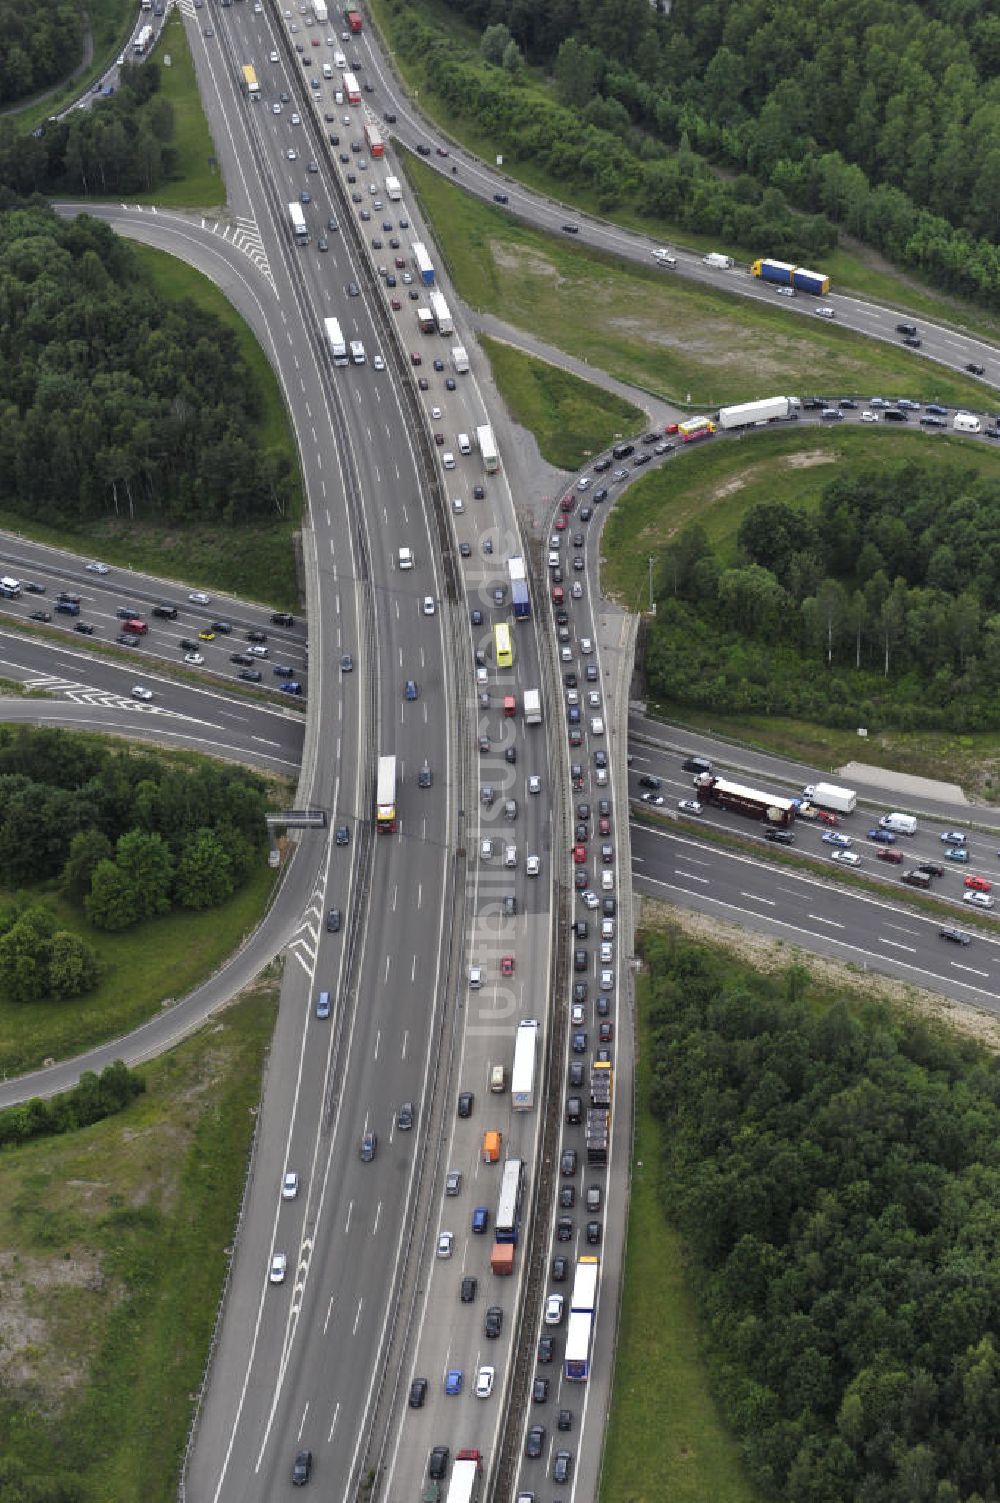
(691, 345)
(570, 418)
(666, 1438)
(162, 958)
(852, 267)
(255, 563)
(200, 184)
(118, 1237)
(715, 484)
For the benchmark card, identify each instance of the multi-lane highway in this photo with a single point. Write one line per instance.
(447, 936)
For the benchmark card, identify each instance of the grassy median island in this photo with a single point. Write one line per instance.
(114, 1241)
(571, 419)
(686, 343)
(198, 184)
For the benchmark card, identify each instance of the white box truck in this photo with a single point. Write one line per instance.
(966, 422)
(393, 189)
(335, 339)
(829, 796)
(748, 414)
(522, 1075)
(718, 261)
(459, 359)
(320, 11)
(664, 257)
(488, 448)
(532, 707)
(442, 313)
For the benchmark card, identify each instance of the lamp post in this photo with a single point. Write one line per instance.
(652, 602)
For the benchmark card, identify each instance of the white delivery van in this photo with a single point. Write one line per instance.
(357, 352)
(448, 460)
(510, 855)
(327, 70)
(465, 446)
(406, 558)
(607, 881)
(339, 61)
(899, 824)
(966, 422)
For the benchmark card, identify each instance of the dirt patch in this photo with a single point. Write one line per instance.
(773, 956)
(514, 258)
(729, 487)
(29, 1347)
(810, 457)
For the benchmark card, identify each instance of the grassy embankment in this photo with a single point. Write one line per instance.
(851, 269)
(115, 1245)
(687, 344)
(666, 1438)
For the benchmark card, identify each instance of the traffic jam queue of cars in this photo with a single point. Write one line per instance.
(826, 805)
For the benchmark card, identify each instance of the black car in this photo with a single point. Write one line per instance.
(571, 229)
(301, 1468)
(648, 781)
(560, 1269)
(493, 1322)
(124, 613)
(931, 868)
(694, 764)
(975, 370)
(848, 403)
(601, 466)
(333, 921)
(567, 1197)
(418, 1393)
(640, 460)
(576, 1073)
(389, 117)
(535, 1444)
(564, 1229)
(779, 837)
(466, 1100)
(31, 588)
(540, 1391)
(404, 1117)
(562, 1466)
(499, 198)
(369, 1147)
(127, 639)
(510, 754)
(343, 835)
(187, 645)
(545, 1349)
(169, 613)
(469, 1288)
(84, 628)
(438, 1464)
(424, 776)
(241, 658)
(250, 675)
(593, 1233)
(567, 1163)
(932, 422)
(565, 1421)
(579, 991)
(40, 616)
(914, 344)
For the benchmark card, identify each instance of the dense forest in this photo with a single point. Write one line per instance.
(113, 400)
(39, 45)
(119, 145)
(835, 1174)
(877, 117)
(124, 833)
(881, 608)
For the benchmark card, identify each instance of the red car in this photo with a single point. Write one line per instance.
(507, 965)
(400, 263)
(604, 825)
(979, 884)
(605, 1032)
(826, 818)
(889, 853)
(579, 854)
(439, 439)
(671, 428)
(395, 304)
(560, 523)
(568, 502)
(416, 358)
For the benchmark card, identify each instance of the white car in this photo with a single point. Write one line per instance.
(98, 569)
(256, 651)
(583, 484)
(290, 1185)
(978, 899)
(194, 658)
(533, 866)
(276, 109)
(577, 590)
(273, 57)
(846, 858)
(446, 1241)
(607, 981)
(279, 1267)
(428, 605)
(486, 849)
(593, 699)
(586, 646)
(458, 505)
(140, 692)
(484, 1382)
(590, 898)
(292, 154)
(576, 1015)
(475, 977)
(869, 417)
(554, 1310)
(448, 460)
(687, 805)
(296, 120)
(534, 783)
(435, 412)
(198, 597)
(378, 363)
